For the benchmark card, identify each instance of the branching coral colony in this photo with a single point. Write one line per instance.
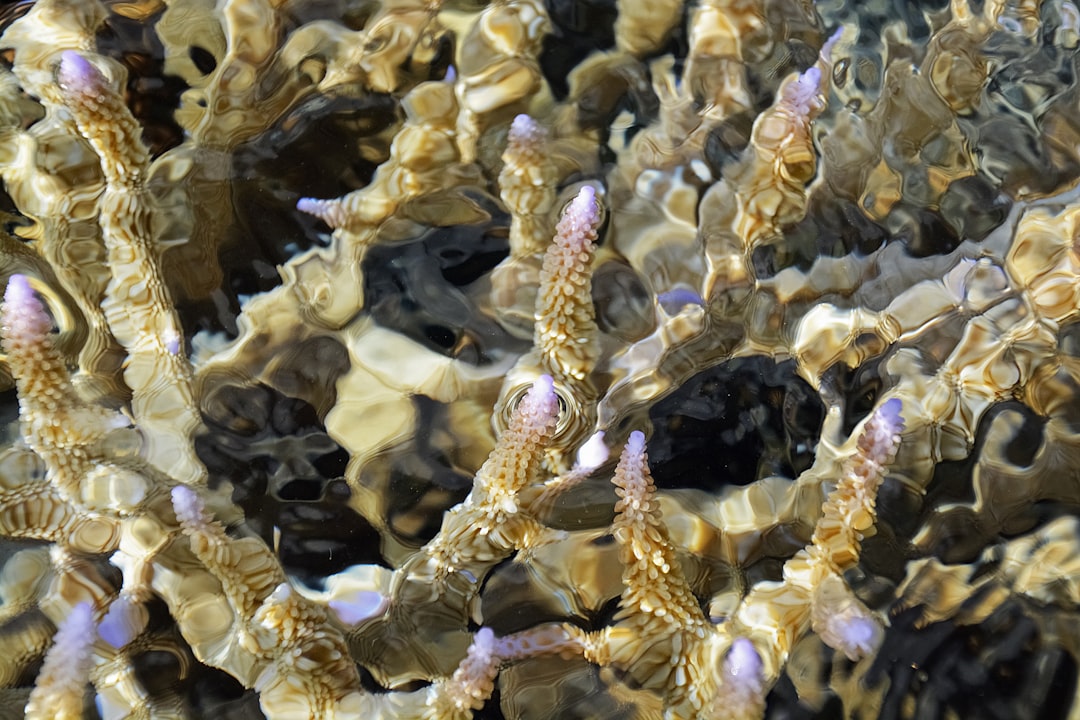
(557, 240)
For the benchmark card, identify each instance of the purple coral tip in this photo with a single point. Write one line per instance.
(522, 123)
(523, 129)
(807, 86)
(483, 644)
(122, 622)
(743, 681)
(23, 315)
(18, 292)
(543, 385)
(188, 506)
(541, 396)
(743, 661)
(81, 619)
(889, 412)
(583, 209)
(70, 654)
(329, 211)
(635, 444)
(77, 73)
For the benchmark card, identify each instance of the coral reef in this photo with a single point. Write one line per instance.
(324, 324)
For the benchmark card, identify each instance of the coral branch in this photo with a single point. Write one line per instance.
(489, 524)
(45, 390)
(283, 644)
(660, 631)
(738, 268)
(781, 160)
(849, 510)
(473, 681)
(813, 593)
(564, 332)
(742, 686)
(323, 285)
(655, 586)
(565, 318)
(56, 424)
(104, 120)
(527, 186)
(513, 463)
(137, 306)
(60, 691)
(247, 571)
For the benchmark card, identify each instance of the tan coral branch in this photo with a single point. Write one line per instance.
(527, 186)
(137, 305)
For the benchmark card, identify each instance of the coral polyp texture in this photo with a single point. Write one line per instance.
(539, 360)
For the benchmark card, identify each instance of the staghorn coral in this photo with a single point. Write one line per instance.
(62, 683)
(527, 186)
(564, 337)
(348, 456)
(137, 304)
(275, 640)
(661, 636)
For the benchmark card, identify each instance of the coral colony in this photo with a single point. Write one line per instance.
(540, 360)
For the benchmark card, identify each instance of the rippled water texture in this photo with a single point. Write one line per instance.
(765, 274)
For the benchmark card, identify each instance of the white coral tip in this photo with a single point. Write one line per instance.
(593, 453)
(188, 507)
(329, 211)
(583, 211)
(524, 129)
(474, 679)
(540, 401)
(281, 593)
(482, 649)
(18, 293)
